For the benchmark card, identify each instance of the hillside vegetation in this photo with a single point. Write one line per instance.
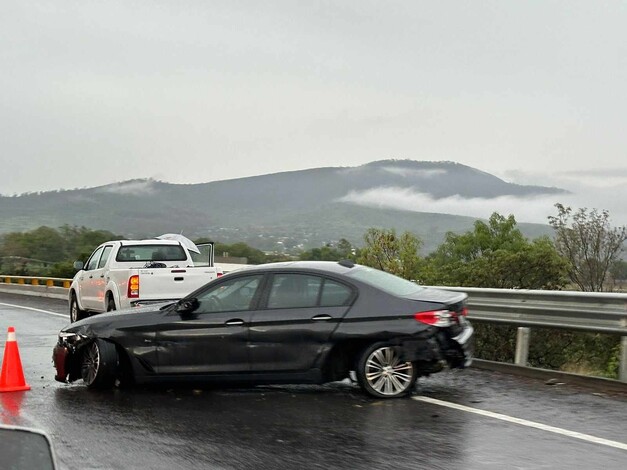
(283, 211)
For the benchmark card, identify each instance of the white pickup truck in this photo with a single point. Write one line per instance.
(120, 274)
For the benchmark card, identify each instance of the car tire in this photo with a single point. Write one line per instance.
(110, 303)
(76, 313)
(99, 363)
(382, 374)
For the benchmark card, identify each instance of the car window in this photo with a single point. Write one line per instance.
(294, 291)
(154, 252)
(334, 294)
(93, 261)
(385, 281)
(230, 295)
(105, 256)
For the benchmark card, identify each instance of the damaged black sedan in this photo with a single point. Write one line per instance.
(296, 322)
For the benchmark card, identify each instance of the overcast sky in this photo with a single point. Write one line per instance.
(95, 92)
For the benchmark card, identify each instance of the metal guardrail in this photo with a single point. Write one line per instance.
(36, 280)
(51, 287)
(597, 312)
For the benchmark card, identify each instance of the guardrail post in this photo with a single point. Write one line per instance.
(622, 365)
(522, 346)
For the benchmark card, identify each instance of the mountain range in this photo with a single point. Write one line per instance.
(280, 211)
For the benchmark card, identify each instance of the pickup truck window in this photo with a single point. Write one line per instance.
(93, 261)
(151, 253)
(105, 256)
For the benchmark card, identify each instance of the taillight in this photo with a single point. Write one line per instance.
(133, 287)
(440, 318)
(464, 311)
(219, 273)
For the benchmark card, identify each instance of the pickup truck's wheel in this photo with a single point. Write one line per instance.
(76, 313)
(110, 303)
(99, 364)
(382, 374)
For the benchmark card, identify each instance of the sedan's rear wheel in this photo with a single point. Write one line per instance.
(381, 373)
(99, 364)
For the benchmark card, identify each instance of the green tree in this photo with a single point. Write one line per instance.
(590, 244)
(238, 250)
(42, 249)
(496, 254)
(80, 242)
(389, 252)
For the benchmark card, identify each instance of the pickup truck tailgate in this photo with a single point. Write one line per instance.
(172, 283)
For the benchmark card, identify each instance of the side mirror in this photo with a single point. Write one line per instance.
(187, 305)
(25, 449)
(78, 265)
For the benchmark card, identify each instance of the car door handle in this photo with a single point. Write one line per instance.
(322, 318)
(236, 322)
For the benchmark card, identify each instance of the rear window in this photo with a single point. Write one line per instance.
(151, 253)
(385, 281)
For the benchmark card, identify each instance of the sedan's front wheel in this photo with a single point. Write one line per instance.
(99, 364)
(382, 374)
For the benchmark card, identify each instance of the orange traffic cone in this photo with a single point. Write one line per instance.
(12, 377)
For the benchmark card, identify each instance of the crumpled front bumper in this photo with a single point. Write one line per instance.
(60, 357)
(65, 357)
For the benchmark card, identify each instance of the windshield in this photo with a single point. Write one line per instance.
(385, 281)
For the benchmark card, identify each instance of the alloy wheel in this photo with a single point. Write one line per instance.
(74, 311)
(386, 374)
(90, 364)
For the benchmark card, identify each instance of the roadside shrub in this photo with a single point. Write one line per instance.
(577, 352)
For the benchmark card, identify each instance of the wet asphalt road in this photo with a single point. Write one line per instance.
(302, 427)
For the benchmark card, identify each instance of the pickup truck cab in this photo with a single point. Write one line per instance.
(120, 274)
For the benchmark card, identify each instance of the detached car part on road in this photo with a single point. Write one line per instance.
(295, 322)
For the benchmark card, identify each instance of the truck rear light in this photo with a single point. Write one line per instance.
(133, 287)
(441, 318)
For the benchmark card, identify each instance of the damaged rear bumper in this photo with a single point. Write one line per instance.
(454, 346)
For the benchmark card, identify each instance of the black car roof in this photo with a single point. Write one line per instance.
(333, 267)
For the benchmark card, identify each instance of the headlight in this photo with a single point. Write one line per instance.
(69, 338)
(67, 334)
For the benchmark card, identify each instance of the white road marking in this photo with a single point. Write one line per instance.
(35, 310)
(524, 422)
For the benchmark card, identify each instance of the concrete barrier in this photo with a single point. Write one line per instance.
(35, 290)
